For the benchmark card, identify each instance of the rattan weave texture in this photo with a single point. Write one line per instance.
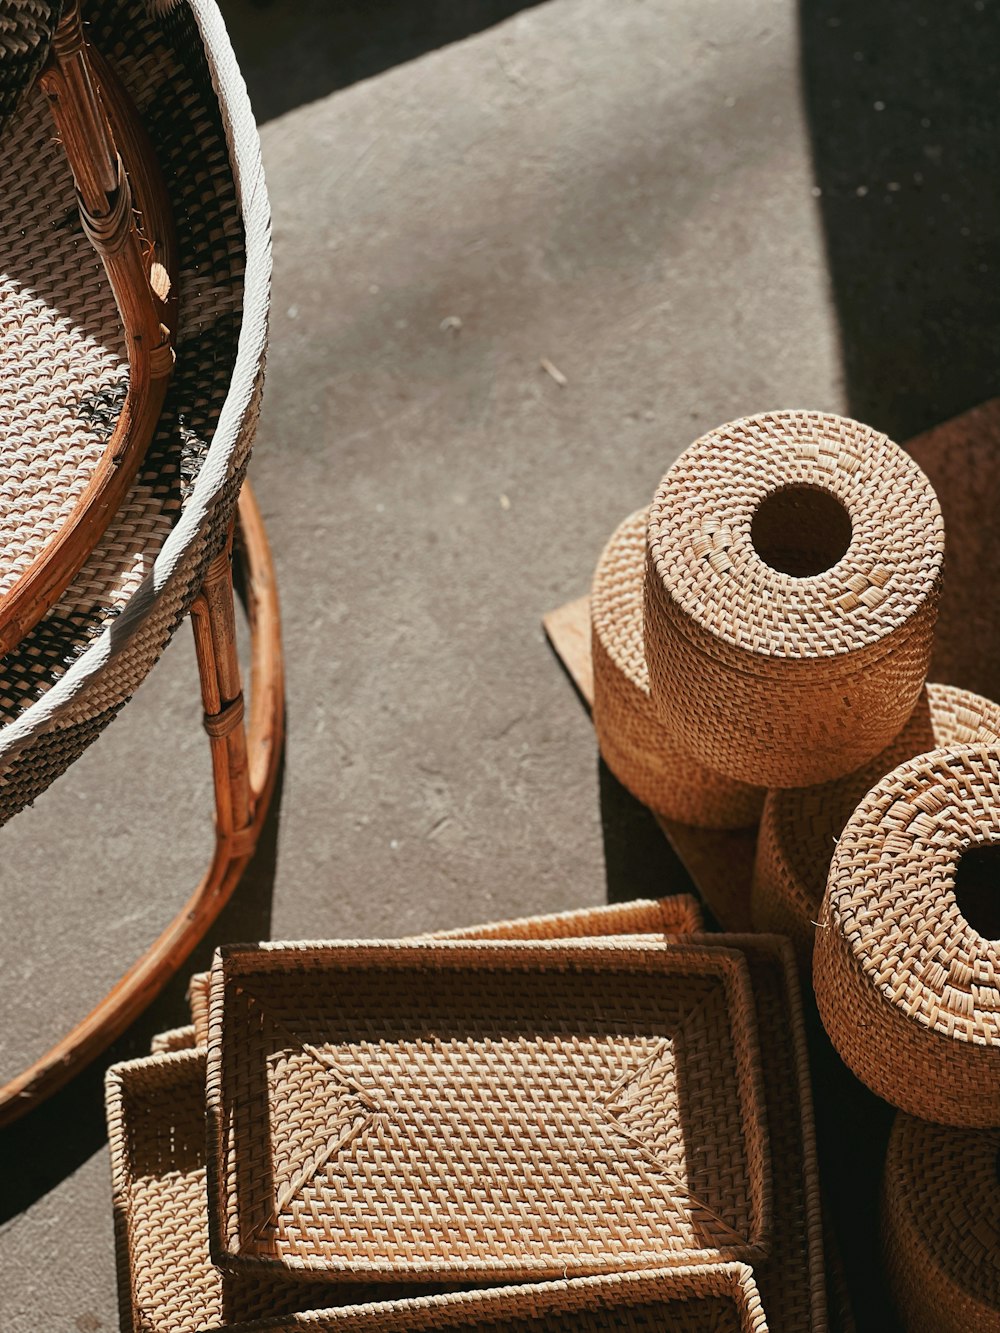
(62, 380)
(941, 1226)
(801, 825)
(174, 1039)
(453, 1110)
(678, 914)
(908, 991)
(26, 28)
(792, 1278)
(166, 1280)
(641, 753)
(715, 1298)
(793, 573)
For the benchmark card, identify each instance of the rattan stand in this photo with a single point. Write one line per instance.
(246, 753)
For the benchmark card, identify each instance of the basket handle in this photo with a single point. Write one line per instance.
(126, 216)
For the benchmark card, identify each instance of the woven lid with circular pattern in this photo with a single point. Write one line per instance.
(908, 989)
(850, 522)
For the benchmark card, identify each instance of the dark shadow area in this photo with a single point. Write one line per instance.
(903, 106)
(54, 1140)
(638, 860)
(852, 1134)
(977, 888)
(295, 52)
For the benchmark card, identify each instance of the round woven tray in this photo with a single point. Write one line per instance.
(634, 743)
(941, 1227)
(800, 825)
(793, 572)
(72, 673)
(906, 987)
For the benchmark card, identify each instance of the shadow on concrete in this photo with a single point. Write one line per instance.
(638, 860)
(295, 51)
(903, 105)
(54, 1140)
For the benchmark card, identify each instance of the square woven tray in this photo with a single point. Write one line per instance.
(679, 914)
(716, 1298)
(457, 1111)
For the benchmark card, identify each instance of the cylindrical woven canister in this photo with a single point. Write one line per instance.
(906, 965)
(800, 825)
(634, 743)
(941, 1227)
(793, 572)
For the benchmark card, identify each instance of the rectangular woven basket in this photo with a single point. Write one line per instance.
(792, 1279)
(463, 1111)
(166, 1280)
(715, 1298)
(678, 914)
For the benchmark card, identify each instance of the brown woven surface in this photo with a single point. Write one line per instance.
(174, 1039)
(941, 1227)
(678, 914)
(776, 677)
(26, 28)
(166, 1280)
(57, 312)
(792, 1279)
(451, 1110)
(638, 749)
(906, 988)
(801, 825)
(717, 1298)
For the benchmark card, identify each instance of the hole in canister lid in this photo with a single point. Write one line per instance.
(801, 530)
(977, 888)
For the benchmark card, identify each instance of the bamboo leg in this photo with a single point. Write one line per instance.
(245, 767)
(213, 620)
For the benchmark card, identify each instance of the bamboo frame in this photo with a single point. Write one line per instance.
(94, 116)
(245, 761)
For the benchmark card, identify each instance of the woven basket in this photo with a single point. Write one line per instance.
(166, 1280)
(679, 914)
(941, 1227)
(636, 747)
(714, 1298)
(908, 991)
(71, 674)
(175, 1039)
(793, 572)
(791, 1280)
(456, 1111)
(801, 825)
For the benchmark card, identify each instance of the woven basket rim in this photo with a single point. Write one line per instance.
(669, 958)
(251, 195)
(727, 1279)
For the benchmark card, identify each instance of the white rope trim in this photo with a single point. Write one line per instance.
(251, 193)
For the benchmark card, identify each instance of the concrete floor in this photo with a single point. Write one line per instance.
(694, 211)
